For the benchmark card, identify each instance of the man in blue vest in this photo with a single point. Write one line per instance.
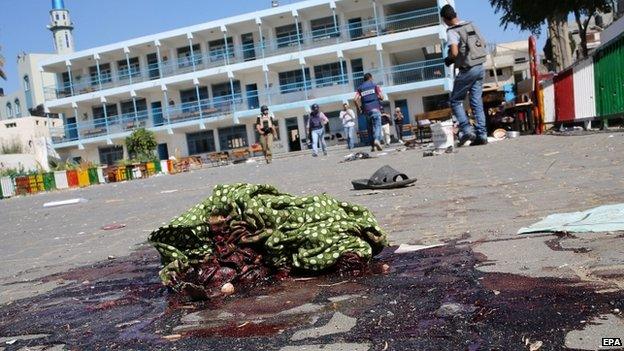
(468, 52)
(368, 100)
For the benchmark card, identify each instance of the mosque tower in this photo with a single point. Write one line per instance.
(61, 27)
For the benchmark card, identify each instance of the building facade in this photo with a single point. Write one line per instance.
(507, 64)
(199, 88)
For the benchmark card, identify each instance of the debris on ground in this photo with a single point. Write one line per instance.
(113, 226)
(608, 218)
(244, 234)
(65, 202)
(357, 156)
(405, 248)
(384, 178)
(436, 152)
(169, 191)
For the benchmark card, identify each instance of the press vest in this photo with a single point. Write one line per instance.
(370, 100)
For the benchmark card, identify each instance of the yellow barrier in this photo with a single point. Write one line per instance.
(83, 178)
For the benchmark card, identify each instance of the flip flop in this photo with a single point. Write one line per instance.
(385, 178)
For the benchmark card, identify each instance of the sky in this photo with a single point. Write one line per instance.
(23, 22)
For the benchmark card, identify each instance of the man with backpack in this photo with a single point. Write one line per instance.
(467, 50)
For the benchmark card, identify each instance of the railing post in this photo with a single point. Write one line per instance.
(158, 58)
(96, 57)
(305, 79)
(103, 101)
(69, 75)
(259, 23)
(343, 79)
(189, 36)
(332, 5)
(127, 53)
(201, 113)
(75, 108)
(376, 17)
(232, 93)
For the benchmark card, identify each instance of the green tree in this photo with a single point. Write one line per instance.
(531, 15)
(141, 144)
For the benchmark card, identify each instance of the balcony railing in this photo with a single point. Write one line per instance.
(241, 53)
(207, 109)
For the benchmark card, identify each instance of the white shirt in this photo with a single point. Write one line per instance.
(348, 118)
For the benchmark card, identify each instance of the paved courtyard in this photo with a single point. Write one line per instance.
(65, 281)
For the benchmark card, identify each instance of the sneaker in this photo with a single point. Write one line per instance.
(479, 141)
(324, 153)
(378, 145)
(314, 155)
(466, 137)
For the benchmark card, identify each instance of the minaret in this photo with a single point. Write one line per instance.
(61, 27)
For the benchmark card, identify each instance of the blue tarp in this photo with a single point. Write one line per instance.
(608, 218)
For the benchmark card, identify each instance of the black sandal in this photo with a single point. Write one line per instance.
(385, 178)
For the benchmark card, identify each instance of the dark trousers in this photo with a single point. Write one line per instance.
(399, 129)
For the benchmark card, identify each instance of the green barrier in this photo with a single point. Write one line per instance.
(48, 181)
(129, 175)
(93, 176)
(158, 167)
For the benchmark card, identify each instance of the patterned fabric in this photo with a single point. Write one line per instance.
(306, 234)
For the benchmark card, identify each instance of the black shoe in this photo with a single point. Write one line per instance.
(466, 137)
(479, 141)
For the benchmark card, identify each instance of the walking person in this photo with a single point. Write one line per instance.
(467, 50)
(347, 116)
(316, 129)
(398, 123)
(368, 99)
(386, 122)
(265, 125)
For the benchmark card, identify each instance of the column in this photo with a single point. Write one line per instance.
(299, 37)
(382, 69)
(127, 53)
(199, 106)
(166, 103)
(134, 105)
(305, 79)
(225, 42)
(189, 36)
(332, 5)
(376, 15)
(267, 91)
(343, 78)
(215, 137)
(103, 101)
(158, 57)
(96, 57)
(233, 96)
(259, 23)
(69, 74)
(75, 109)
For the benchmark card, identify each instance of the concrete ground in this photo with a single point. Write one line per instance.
(474, 200)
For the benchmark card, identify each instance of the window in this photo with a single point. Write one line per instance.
(217, 49)
(105, 74)
(126, 72)
(324, 28)
(200, 142)
(127, 110)
(9, 110)
(222, 94)
(292, 81)
(233, 137)
(499, 72)
(189, 99)
(18, 108)
(287, 35)
(67, 40)
(99, 117)
(435, 102)
(26, 83)
(57, 17)
(11, 125)
(330, 74)
(185, 59)
(519, 77)
(111, 154)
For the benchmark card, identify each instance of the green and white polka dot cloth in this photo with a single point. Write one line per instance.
(305, 233)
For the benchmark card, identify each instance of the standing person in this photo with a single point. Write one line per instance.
(386, 122)
(347, 116)
(398, 123)
(316, 129)
(368, 99)
(265, 125)
(467, 50)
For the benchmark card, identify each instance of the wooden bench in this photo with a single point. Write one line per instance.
(424, 120)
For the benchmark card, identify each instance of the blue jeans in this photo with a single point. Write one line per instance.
(350, 136)
(318, 135)
(375, 118)
(469, 81)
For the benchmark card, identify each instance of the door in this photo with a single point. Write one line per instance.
(294, 137)
(157, 114)
(355, 28)
(249, 48)
(253, 102)
(71, 128)
(163, 152)
(152, 66)
(402, 104)
(357, 67)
